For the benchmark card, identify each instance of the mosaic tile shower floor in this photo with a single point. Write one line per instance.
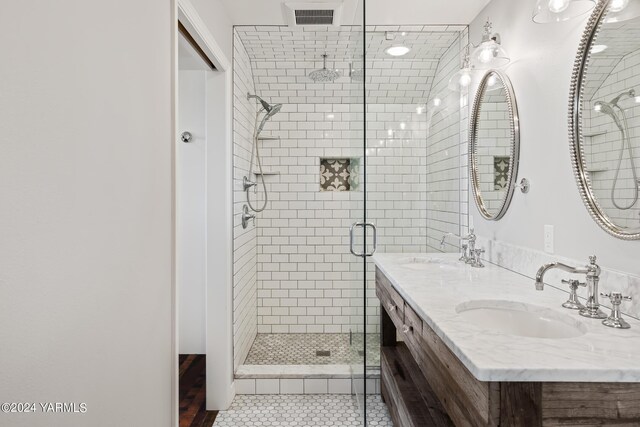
(302, 411)
(311, 349)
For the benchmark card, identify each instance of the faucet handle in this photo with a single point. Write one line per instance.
(463, 256)
(573, 303)
(573, 283)
(616, 297)
(476, 261)
(615, 319)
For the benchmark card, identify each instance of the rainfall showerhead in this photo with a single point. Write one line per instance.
(324, 75)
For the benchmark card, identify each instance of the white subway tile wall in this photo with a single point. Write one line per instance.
(446, 156)
(307, 280)
(244, 241)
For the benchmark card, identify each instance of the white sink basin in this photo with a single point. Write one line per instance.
(520, 319)
(424, 264)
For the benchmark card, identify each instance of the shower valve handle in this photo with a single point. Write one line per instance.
(247, 183)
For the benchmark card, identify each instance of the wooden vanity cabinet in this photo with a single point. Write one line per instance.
(424, 384)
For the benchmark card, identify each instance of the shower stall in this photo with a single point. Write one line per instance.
(370, 143)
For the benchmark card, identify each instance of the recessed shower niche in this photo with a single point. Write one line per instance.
(338, 174)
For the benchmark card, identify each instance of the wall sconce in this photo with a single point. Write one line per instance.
(489, 53)
(547, 11)
(462, 78)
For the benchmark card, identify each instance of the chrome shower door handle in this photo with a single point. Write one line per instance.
(353, 226)
(375, 237)
(364, 226)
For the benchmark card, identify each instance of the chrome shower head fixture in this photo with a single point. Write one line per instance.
(270, 110)
(620, 119)
(631, 93)
(267, 107)
(324, 75)
(608, 108)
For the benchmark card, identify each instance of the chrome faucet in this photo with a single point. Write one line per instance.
(592, 271)
(470, 255)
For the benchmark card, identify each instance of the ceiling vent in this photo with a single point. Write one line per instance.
(316, 13)
(314, 17)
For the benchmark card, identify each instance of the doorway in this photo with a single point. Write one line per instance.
(203, 371)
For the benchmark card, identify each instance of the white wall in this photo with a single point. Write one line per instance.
(214, 14)
(191, 213)
(542, 59)
(86, 145)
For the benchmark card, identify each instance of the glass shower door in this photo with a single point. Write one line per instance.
(360, 233)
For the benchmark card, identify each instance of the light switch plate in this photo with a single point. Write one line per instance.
(548, 239)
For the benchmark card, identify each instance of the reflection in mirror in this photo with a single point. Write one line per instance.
(494, 148)
(610, 125)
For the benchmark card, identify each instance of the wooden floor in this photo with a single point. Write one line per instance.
(192, 392)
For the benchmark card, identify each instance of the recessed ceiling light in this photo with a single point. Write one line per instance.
(398, 50)
(599, 48)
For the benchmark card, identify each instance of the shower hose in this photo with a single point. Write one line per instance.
(625, 144)
(255, 152)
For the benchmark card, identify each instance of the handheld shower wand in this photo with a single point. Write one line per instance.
(609, 108)
(270, 111)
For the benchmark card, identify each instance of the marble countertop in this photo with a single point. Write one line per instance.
(441, 284)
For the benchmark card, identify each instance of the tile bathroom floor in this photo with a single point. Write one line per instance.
(302, 411)
(311, 349)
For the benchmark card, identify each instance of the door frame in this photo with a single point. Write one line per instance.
(219, 216)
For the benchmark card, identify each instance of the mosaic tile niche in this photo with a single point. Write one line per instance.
(335, 174)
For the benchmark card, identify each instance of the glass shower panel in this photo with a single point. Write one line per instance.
(414, 124)
(356, 226)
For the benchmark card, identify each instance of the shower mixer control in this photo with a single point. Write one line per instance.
(246, 216)
(247, 183)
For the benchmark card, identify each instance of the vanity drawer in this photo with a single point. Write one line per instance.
(390, 299)
(411, 328)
